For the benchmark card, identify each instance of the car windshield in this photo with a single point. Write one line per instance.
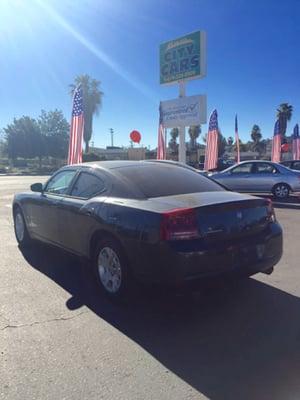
(167, 180)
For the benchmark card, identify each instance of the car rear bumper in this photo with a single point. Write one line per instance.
(179, 263)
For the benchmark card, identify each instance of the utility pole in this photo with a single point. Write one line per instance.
(112, 136)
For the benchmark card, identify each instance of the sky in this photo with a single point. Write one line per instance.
(253, 60)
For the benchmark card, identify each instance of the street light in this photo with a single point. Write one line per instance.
(112, 133)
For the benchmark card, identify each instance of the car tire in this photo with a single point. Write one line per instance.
(20, 228)
(281, 191)
(112, 271)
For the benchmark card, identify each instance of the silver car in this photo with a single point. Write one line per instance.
(260, 177)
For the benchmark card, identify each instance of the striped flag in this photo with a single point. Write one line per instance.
(76, 131)
(237, 140)
(211, 151)
(276, 143)
(296, 143)
(161, 147)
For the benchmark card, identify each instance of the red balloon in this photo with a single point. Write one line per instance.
(135, 136)
(285, 147)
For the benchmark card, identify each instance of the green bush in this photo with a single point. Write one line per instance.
(91, 157)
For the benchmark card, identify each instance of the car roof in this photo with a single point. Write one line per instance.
(110, 165)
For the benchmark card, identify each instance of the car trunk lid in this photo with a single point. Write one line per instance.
(220, 215)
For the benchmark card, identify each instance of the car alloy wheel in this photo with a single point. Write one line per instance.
(21, 232)
(19, 226)
(109, 270)
(281, 191)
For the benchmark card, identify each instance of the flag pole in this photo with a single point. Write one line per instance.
(182, 149)
(237, 140)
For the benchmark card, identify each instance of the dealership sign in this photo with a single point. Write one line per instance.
(184, 111)
(183, 58)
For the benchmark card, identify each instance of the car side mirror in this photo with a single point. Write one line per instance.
(36, 187)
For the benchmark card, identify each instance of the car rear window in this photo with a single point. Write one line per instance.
(166, 180)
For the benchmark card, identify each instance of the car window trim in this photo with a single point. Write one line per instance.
(70, 184)
(266, 163)
(237, 166)
(81, 171)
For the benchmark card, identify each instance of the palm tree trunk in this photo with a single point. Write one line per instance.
(87, 147)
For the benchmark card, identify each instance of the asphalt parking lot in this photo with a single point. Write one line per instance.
(61, 339)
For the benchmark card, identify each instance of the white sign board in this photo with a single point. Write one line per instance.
(184, 111)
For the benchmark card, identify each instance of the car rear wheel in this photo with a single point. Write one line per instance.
(281, 191)
(21, 232)
(112, 271)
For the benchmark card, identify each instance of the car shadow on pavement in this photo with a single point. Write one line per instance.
(239, 341)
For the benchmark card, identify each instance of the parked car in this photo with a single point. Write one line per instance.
(149, 222)
(260, 177)
(293, 164)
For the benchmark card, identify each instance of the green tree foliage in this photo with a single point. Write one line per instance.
(173, 141)
(243, 146)
(258, 145)
(230, 141)
(48, 136)
(256, 134)
(221, 144)
(24, 139)
(92, 102)
(194, 133)
(55, 131)
(284, 114)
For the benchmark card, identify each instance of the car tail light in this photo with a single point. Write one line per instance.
(270, 211)
(179, 224)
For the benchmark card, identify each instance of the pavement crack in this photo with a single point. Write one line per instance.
(10, 326)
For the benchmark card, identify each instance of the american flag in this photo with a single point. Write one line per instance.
(211, 151)
(76, 131)
(296, 143)
(237, 140)
(276, 143)
(161, 147)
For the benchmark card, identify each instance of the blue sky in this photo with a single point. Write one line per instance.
(253, 59)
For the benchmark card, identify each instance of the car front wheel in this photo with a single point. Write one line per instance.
(281, 191)
(21, 232)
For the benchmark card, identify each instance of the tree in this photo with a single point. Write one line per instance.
(173, 141)
(230, 141)
(243, 146)
(23, 139)
(221, 144)
(256, 134)
(194, 133)
(284, 114)
(55, 131)
(92, 102)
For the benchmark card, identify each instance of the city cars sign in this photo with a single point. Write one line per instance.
(183, 58)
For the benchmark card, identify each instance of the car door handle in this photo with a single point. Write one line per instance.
(87, 211)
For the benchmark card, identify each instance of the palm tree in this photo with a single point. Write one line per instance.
(284, 114)
(256, 136)
(194, 132)
(92, 102)
(173, 142)
(230, 141)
